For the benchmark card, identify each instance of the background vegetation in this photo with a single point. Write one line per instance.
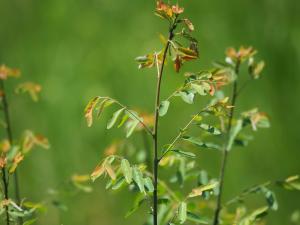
(79, 49)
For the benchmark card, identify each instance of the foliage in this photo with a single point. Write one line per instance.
(13, 152)
(218, 128)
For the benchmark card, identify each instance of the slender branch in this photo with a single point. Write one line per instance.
(9, 135)
(179, 135)
(155, 128)
(245, 193)
(131, 113)
(186, 85)
(225, 150)
(243, 86)
(5, 189)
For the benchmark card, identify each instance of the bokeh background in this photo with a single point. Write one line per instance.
(79, 49)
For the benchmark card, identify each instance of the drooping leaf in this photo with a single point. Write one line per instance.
(126, 170)
(114, 118)
(233, 134)
(6, 72)
(88, 112)
(163, 108)
(105, 103)
(148, 184)
(199, 190)
(30, 139)
(196, 219)
(255, 69)
(187, 97)
(184, 153)
(131, 127)
(255, 216)
(211, 129)
(290, 183)
(189, 24)
(138, 179)
(188, 52)
(119, 183)
(271, 199)
(98, 171)
(202, 88)
(110, 171)
(123, 120)
(31, 88)
(199, 143)
(256, 119)
(182, 212)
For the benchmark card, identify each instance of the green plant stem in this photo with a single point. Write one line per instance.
(179, 135)
(10, 139)
(5, 189)
(225, 150)
(147, 129)
(155, 129)
(245, 193)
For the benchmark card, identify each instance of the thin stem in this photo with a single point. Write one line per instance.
(10, 139)
(186, 85)
(155, 128)
(5, 188)
(131, 113)
(245, 193)
(179, 135)
(225, 150)
(243, 86)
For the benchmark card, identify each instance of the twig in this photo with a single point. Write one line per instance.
(155, 129)
(131, 113)
(225, 150)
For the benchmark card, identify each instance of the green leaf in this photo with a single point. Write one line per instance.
(126, 170)
(185, 154)
(119, 183)
(199, 190)
(233, 134)
(131, 125)
(114, 118)
(148, 184)
(271, 199)
(290, 183)
(199, 143)
(210, 129)
(110, 170)
(138, 179)
(105, 103)
(123, 120)
(202, 89)
(197, 219)
(255, 215)
(186, 97)
(182, 212)
(163, 108)
(163, 201)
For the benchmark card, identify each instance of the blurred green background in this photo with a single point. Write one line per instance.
(79, 49)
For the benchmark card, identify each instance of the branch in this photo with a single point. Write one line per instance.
(129, 111)
(225, 150)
